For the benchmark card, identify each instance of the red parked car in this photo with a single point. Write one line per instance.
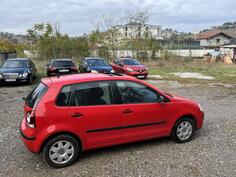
(130, 66)
(66, 115)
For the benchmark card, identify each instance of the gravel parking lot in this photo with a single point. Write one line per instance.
(211, 153)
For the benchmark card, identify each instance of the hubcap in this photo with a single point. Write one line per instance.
(184, 130)
(61, 152)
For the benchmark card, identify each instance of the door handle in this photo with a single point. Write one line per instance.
(127, 111)
(77, 115)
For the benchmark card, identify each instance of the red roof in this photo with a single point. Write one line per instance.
(210, 34)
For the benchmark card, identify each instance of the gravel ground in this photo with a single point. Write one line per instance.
(211, 153)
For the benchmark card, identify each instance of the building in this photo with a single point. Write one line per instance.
(213, 38)
(134, 29)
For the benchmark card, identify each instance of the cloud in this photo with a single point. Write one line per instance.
(74, 15)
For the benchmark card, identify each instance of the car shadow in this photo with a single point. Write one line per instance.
(124, 147)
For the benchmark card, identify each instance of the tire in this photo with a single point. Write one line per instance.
(183, 130)
(30, 80)
(67, 154)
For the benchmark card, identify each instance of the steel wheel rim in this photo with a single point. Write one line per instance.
(61, 152)
(184, 130)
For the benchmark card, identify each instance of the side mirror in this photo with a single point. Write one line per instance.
(161, 99)
(46, 66)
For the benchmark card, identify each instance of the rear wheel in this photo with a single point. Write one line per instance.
(183, 130)
(61, 151)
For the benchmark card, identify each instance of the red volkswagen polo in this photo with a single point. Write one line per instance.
(64, 116)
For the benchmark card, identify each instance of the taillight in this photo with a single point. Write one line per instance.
(52, 69)
(30, 119)
(73, 68)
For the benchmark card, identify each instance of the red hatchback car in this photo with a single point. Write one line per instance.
(66, 115)
(130, 66)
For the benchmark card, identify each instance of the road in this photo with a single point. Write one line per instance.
(212, 152)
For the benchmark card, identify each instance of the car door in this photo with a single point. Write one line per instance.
(142, 116)
(95, 115)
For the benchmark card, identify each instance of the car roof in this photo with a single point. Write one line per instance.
(127, 58)
(84, 77)
(92, 58)
(61, 59)
(24, 59)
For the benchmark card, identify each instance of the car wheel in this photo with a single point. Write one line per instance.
(183, 130)
(30, 80)
(61, 151)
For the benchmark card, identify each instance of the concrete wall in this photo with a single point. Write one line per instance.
(190, 53)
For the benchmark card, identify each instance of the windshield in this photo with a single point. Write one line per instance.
(131, 62)
(58, 64)
(97, 62)
(35, 95)
(15, 64)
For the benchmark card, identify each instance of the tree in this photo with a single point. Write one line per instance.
(7, 46)
(51, 43)
(109, 37)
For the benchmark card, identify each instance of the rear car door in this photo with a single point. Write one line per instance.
(94, 113)
(142, 116)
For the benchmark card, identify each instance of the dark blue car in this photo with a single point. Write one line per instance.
(20, 70)
(95, 65)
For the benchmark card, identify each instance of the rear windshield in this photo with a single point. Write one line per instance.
(59, 64)
(35, 95)
(15, 64)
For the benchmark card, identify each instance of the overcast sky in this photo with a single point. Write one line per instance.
(74, 16)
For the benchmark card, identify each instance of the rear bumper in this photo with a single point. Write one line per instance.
(28, 137)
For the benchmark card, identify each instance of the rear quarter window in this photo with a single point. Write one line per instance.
(64, 96)
(35, 95)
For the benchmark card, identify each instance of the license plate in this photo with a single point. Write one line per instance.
(10, 80)
(140, 76)
(64, 70)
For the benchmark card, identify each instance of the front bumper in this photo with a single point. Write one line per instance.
(138, 74)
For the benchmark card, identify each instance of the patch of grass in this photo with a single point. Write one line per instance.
(221, 72)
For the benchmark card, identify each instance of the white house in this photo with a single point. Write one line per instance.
(134, 29)
(213, 39)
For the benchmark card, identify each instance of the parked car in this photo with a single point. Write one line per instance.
(130, 66)
(95, 65)
(61, 67)
(66, 115)
(19, 70)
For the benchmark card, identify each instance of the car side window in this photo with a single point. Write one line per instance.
(92, 93)
(133, 92)
(63, 97)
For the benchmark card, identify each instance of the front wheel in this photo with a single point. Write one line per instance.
(183, 130)
(61, 151)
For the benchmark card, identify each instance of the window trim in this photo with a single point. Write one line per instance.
(118, 99)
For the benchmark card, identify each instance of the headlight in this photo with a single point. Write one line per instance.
(112, 71)
(130, 70)
(25, 74)
(0, 76)
(200, 107)
(94, 71)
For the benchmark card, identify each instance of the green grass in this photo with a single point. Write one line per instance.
(221, 72)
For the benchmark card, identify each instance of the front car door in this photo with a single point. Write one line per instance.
(142, 116)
